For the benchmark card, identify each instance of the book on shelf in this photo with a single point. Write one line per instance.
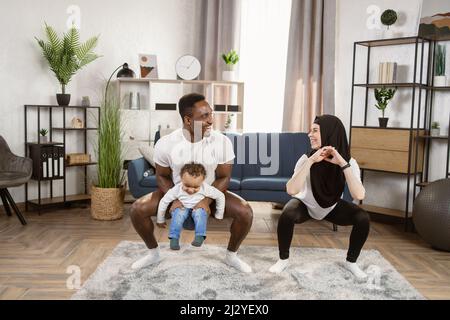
(387, 72)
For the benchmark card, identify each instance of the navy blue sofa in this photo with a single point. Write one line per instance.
(247, 178)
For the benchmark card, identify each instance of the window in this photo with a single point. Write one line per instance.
(264, 42)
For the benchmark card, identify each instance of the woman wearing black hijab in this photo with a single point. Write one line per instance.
(317, 186)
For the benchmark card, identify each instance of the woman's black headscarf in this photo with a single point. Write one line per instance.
(327, 179)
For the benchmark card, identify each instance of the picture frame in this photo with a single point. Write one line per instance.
(148, 66)
(435, 21)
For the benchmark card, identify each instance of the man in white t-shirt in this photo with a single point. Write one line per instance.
(195, 142)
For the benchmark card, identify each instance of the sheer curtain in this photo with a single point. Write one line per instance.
(310, 66)
(264, 44)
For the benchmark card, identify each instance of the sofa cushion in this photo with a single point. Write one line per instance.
(149, 181)
(235, 184)
(264, 183)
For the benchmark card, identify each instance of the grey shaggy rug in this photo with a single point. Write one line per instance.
(199, 273)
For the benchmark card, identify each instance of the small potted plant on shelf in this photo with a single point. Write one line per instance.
(43, 132)
(383, 96)
(66, 56)
(107, 195)
(388, 18)
(439, 78)
(229, 124)
(435, 129)
(230, 59)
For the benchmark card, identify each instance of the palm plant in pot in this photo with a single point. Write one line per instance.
(66, 56)
(107, 195)
(383, 96)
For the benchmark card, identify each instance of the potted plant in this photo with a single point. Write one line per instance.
(439, 78)
(435, 129)
(230, 59)
(230, 125)
(66, 56)
(383, 96)
(388, 18)
(43, 132)
(107, 195)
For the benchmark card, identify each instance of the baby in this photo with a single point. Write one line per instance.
(190, 191)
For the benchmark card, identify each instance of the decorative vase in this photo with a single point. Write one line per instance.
(228, 75)
(389, 33)
(435, 132)
(383, 122)
(63, 99)
(440, 81)
(107, 203)
(85, 102)
(44, 139)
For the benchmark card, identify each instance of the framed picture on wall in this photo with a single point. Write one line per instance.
(435, 20)
(148, 66)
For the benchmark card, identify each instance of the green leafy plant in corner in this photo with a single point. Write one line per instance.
(230, 58)
(43, 132)
(383, 96)
(435, 125)
(67, 55)
(388, 17)
(109, 148)
(440, 60)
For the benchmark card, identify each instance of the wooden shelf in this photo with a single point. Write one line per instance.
(81, 164)
(388, 128)
(385, 211)
(58, 200)
(74, 129)
(45, 143)
(422, 184)
(47, 179)
(57, 106)
(433, 137)
(391, 42)
(396, 85)
(175, 81)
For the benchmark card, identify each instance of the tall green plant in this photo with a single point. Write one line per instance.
(383, 96)
(440, 60)
(66, 55)
(109, 149)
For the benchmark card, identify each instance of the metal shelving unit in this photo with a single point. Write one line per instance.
(424, 84)
(40, 202)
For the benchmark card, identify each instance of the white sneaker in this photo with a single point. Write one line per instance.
(279, 266)
(355, 270)
(151, 258)
(232, 260)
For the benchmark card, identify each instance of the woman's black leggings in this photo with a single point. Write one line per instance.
(344, 214)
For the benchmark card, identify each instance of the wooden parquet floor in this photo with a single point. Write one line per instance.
(34, 259)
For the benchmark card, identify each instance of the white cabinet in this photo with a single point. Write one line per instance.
(159, 107)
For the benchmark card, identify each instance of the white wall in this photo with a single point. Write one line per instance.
(167, 28)
(384, 189)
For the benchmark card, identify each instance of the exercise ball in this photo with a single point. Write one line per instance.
(431, 214)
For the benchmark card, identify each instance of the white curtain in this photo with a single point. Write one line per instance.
(221, 33)
(310, 63)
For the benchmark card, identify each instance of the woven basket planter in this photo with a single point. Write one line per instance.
(107, 203)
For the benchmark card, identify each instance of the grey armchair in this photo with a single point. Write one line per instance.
(14, 171)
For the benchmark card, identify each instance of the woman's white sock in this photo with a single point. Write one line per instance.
(279, 266)
(152, 257)
(232, 260)
(354, 268)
